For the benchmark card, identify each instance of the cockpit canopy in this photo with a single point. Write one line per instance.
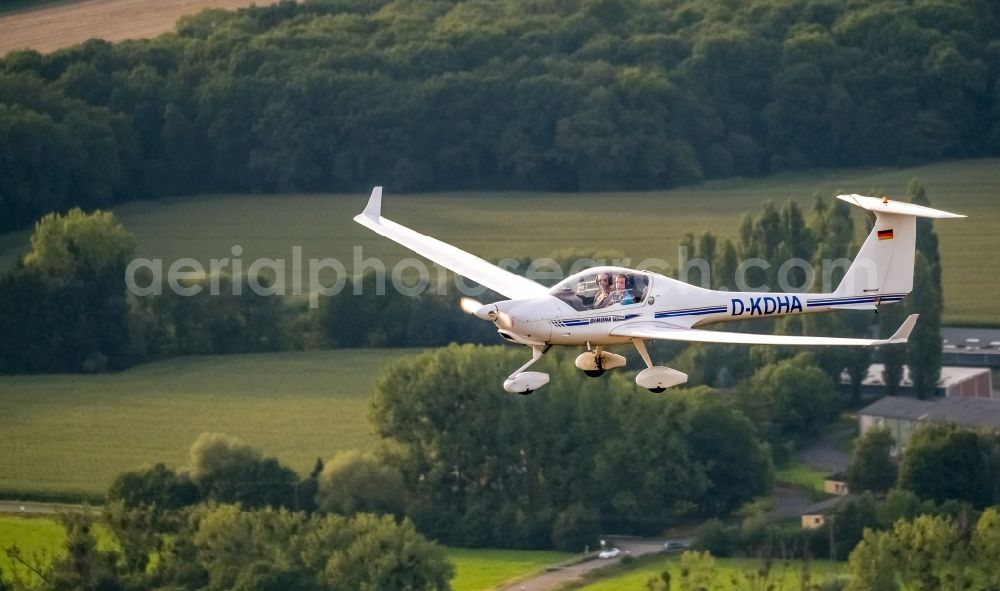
(603, 287)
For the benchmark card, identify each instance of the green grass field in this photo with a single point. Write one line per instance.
(797, 473)
(475, 570)
(34, 537)
(40, 539)
(74, 433)
(636, 224)
(784, 576)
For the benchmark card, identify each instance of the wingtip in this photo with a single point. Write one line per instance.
(374, 208)
(903, 333)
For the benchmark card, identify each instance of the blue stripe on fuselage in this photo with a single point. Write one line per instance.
(842, 301)
(692, 312)
(571, 322)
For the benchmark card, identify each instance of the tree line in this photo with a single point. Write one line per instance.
(338, 95)
(925, 553)
(233, 519)
(930, 552)
(844, 527)
(228, 548)
(66, 308)
(941, 463)
(228, 470)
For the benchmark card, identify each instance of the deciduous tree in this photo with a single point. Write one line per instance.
(871, 468)
(354, 482)
(229, 470)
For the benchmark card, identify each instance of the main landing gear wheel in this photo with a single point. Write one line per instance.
(525, 382)
(594, 373)
(655, 378)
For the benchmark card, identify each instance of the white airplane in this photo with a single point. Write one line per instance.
(605, 306)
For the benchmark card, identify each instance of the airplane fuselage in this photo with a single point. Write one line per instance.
(553, 320)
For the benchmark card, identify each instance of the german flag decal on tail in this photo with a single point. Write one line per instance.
(885, 234)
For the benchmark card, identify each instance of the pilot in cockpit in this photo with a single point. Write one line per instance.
(602, 298)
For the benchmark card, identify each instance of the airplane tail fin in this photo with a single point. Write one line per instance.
(883, 270)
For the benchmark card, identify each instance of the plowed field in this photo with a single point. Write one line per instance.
(53, 25)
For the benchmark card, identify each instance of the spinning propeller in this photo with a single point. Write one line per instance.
(489, 312)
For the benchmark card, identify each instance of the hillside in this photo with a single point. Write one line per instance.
(333, 96)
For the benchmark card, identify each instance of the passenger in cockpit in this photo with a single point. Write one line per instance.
(621, 294)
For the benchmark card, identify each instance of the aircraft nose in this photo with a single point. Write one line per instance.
(487, 312)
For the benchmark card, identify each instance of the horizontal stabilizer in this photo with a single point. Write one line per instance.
(898, 207)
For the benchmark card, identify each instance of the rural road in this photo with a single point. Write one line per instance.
(824, 455)
(50, 26)
(32, 508)
(556, 578)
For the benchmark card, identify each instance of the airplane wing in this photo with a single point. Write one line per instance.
(663, 330)
(482, 272)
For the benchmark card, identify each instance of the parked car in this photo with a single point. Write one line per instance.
(610, 553)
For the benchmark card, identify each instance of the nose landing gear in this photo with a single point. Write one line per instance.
(595, 363)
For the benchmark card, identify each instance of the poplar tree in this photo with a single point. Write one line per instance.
(923, 351)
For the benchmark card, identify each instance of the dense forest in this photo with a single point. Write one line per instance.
(338, 95)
